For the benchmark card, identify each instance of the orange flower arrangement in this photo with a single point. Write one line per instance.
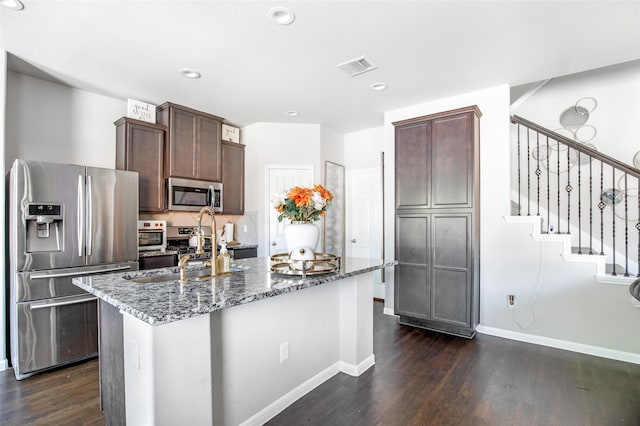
(300, 204)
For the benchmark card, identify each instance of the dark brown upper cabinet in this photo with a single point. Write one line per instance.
(233, 177)
(194, 146)
(140, 148)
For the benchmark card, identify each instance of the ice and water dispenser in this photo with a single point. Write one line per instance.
(44, 227)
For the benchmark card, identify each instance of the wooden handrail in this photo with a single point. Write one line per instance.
(578, 146)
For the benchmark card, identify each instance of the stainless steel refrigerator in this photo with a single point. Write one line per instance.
(64, 221)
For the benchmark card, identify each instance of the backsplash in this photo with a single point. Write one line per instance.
(246, 228)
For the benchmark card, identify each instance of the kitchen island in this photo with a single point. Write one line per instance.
(237, 348)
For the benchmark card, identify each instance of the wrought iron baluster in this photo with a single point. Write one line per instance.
(548, 196)
(538, 173)
(568, 188)
(579, 206)
(626, 229)
(601, 206)
(528, 173)
(558, 181)
(613, 220)
(590, 205)
(519, 160)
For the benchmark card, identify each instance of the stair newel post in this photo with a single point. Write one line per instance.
(626, 229)
(579, 206)
(590, 204)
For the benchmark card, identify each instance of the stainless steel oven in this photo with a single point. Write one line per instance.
(152, 235)
(191, 195)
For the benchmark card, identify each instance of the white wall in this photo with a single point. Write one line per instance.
(570, 306)
(617, 92)
(52, 122)
(3, 86)
(362, 148)
(275, 144)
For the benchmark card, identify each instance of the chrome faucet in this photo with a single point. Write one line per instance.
(201, 237)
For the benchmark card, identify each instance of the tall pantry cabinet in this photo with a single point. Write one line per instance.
(437, 187)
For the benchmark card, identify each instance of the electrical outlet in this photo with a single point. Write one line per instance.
(511, 300)
(284, 351)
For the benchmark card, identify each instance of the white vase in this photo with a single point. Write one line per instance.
(301, 235)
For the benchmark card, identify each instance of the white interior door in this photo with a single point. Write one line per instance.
(283, 178)
(364, 218)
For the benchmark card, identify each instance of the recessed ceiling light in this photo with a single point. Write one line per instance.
(281, 15)
(189, 73)
(292, 113)
(378, 86)
(12, 4)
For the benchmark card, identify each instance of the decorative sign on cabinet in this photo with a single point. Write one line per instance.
(437, 221)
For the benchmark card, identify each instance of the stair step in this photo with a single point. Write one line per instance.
(584, 250)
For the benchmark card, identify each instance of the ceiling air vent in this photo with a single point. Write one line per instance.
(357, 66)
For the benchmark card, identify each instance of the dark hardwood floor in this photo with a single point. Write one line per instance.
(420, 378)
(67, 396)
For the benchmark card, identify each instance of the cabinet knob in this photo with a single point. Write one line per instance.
(353, 241)
(273, 243)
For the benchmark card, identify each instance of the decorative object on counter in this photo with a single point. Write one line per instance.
(334, 226)
(224, 260)
(321, 263)
(141, 111)
(302, 206)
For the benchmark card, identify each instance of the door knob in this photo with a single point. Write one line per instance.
(353, 241)
(273, 243)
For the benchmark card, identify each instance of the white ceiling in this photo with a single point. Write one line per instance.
(254, 70)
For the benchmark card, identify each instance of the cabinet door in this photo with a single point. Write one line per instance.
(451, 260)
(451, 166)
(140, 148)
(209, 155)
(233, 178)
(412, 272)
(182, 144)
(413, 153)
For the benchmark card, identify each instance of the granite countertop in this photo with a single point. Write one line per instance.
(163, 302)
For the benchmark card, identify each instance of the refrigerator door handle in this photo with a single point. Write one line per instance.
(46, 304)
(78, 273)
(89, 216)
(80, 212)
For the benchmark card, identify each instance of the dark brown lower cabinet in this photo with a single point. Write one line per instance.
(437, 227)
(111, 347)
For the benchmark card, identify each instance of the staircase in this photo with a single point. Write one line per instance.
(573, 194)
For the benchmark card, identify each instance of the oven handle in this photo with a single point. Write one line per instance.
(40, 305)
(75, 274)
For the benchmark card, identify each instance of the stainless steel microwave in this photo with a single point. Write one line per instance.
(191, 195)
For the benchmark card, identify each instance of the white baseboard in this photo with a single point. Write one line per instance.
(356, 370)
(561, 344)
(389, 311)
(275, 408)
